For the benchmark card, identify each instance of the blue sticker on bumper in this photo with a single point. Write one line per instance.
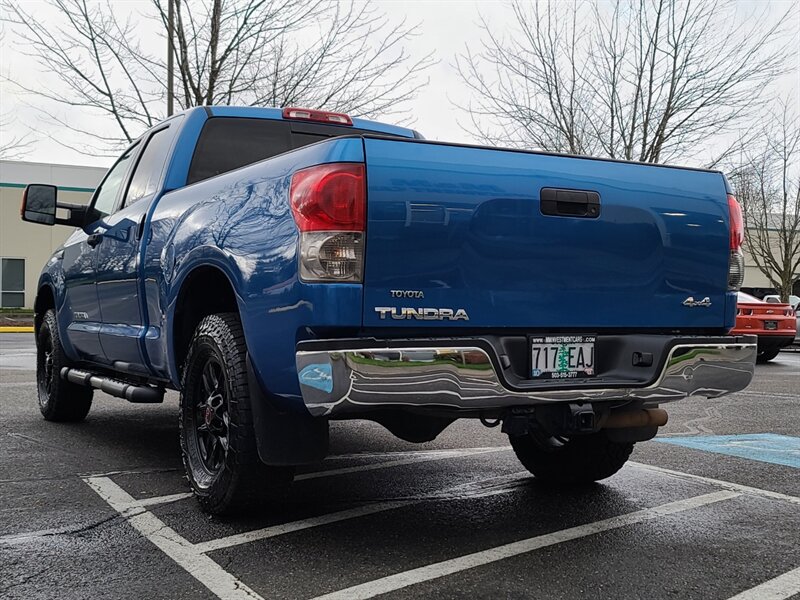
(764, 447)
(318, 376)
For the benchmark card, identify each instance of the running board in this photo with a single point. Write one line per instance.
(140, 394)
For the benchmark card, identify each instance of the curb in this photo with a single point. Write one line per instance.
(16, 329)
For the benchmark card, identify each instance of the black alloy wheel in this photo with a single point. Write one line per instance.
(212, 421)
(218, 439)
(59, 400)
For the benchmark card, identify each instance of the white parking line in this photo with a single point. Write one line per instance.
(193, 558)
(404, 579)
(728, 485)
(201, 567)
(422, 457)
(782, 587)
(413, 457)
(275, 530)
(163, 499)
(485, 487)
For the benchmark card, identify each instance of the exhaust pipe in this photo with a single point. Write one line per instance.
(645, 417)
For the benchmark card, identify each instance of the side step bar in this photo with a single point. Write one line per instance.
(141, 394)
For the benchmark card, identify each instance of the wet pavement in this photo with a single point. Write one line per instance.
(100, 509)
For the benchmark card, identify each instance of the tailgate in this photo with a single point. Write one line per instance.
(462, 228)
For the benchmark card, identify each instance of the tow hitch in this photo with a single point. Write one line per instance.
(581, 418)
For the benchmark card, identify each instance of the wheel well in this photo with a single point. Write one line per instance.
(206, 291)
(44, 301)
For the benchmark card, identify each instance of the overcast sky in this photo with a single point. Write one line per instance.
(446, 28)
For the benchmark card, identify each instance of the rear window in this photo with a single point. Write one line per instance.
(742, 297)
(228, 143)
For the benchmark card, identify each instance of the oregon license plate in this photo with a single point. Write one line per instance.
(562, 356)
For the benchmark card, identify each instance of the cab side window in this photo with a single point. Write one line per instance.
(151, 164)
(106, 197)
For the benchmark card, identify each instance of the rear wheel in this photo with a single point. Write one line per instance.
(767, 355)
(216, 427)
(579, 459)
(59, 400)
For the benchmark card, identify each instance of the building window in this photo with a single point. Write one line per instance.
(12, 282)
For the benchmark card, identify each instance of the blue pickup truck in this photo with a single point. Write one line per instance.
(285, 267)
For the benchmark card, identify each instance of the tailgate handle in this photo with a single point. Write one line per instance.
(569, 203)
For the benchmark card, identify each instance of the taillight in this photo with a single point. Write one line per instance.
(329, 205)
(737, 223)
(320, 116)
(736, 262)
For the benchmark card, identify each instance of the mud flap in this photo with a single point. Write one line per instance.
(285, 438)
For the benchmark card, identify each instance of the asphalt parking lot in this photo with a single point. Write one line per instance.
(100, 509)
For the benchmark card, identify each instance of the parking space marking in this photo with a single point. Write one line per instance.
(728, 485)
(414, 457)
(398, 453)
(219, 581)
(163, 499)
(422, 457)
(193, 557)
(764, 447)
(275, 530)
(782, 587)
(478, 489)
(405, 579)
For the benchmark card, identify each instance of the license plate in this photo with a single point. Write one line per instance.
(562, 356)
(770, 324)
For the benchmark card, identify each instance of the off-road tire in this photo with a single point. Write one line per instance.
(575, 460)
(240, 481)
(767, 355)
(59, 400)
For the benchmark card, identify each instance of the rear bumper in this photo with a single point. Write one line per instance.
(346, 377)
(772, 341)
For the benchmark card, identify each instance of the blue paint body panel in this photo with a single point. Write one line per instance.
(464, 226)
(763, 447)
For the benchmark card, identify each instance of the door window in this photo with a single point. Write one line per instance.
(106, 197)
(148, 172)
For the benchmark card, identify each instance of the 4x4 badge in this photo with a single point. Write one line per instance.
(690, 301)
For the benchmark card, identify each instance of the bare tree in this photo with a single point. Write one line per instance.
(766, 179)
(319, 53)
(645, 80)
(12, 147)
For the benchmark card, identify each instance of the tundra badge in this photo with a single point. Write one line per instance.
(423, 314)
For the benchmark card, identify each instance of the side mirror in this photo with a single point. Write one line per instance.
(39, 204)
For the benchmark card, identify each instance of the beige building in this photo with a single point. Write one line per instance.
(25, 247)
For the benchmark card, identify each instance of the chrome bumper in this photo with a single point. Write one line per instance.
(464, 378)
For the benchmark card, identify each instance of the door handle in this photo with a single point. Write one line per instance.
(569, 203)
(94, 239)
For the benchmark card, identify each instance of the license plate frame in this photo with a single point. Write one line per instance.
(770, 325)
(550, 358)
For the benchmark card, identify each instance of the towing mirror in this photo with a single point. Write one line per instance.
(39, 204)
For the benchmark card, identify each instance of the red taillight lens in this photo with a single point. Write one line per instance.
(737, 223)
(329, 198)
(320, 116)
(329, 205)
